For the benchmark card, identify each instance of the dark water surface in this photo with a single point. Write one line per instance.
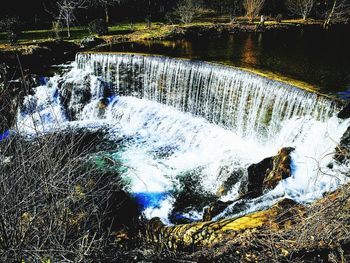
(313, 55)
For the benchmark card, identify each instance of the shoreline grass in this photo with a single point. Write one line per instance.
(125, 28)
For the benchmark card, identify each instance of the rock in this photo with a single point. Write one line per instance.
(189, 197)
(206, 234)
(281, 169)
(215, 209)
(345, 112)
(11, 96)
(90, 42)
(229, 178)
(256, 176)
(342, 151)
(268, 173)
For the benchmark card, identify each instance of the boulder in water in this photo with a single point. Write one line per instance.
(281, 169)
(256, 176)
(268, 173)
(345, 112)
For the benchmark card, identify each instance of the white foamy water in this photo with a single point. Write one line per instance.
(181, 116)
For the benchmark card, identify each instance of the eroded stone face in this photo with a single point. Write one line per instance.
(265, 175)
(262, 177)
(204, 234)
(281, 169)
(342, 151)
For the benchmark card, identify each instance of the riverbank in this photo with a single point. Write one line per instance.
(37, 51)
(141, 31)
(287, 232)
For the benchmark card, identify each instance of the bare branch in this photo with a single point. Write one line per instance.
(300, 7)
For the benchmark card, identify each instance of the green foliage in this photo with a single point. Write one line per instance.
(11, 26)
(98, 27)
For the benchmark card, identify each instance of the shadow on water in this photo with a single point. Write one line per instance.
(313, 55)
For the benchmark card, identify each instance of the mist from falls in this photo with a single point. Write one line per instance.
(178, 117)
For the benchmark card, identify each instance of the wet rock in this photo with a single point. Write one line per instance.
(90, 42)
(230, 179)
(256, 176)
(345, 112)
(190, 197)
(342, 151)
(12, 94)
(281, 169)
(205, 234)
(215, 209)
(267, 174)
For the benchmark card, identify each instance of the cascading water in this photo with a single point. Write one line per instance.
(181, 116)
(237, 100)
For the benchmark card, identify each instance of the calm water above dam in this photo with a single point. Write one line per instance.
(312, 55)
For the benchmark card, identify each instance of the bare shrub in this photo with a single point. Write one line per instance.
(187, 10)
(57, 203)
(300, 7)
(253, 8)
(337, 12)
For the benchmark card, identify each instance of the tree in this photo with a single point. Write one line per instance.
(187, 10)
(338, 12)
(300, 7)
(105, 4)
(253, 8)
(66, 10)
(231, 7)
(11, 26)
(98, 26)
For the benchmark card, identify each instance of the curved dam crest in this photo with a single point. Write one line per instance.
(233, 98)
(183, 119)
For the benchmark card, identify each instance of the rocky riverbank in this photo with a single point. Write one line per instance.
(285, 232)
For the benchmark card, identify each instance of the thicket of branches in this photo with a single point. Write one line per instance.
(253, 8)
(56, 203)
(187, 10)
(301, 8)
(66, 13)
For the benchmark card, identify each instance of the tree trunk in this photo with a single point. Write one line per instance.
(328, 20)
(107, 15)
(68, 28)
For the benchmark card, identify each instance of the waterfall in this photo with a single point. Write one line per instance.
(237, 100)
(183, 116)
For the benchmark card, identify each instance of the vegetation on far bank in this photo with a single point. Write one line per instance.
(140, 31)
(65, 14)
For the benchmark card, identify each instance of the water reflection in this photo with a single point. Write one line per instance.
(312, 55)
(250, 52)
